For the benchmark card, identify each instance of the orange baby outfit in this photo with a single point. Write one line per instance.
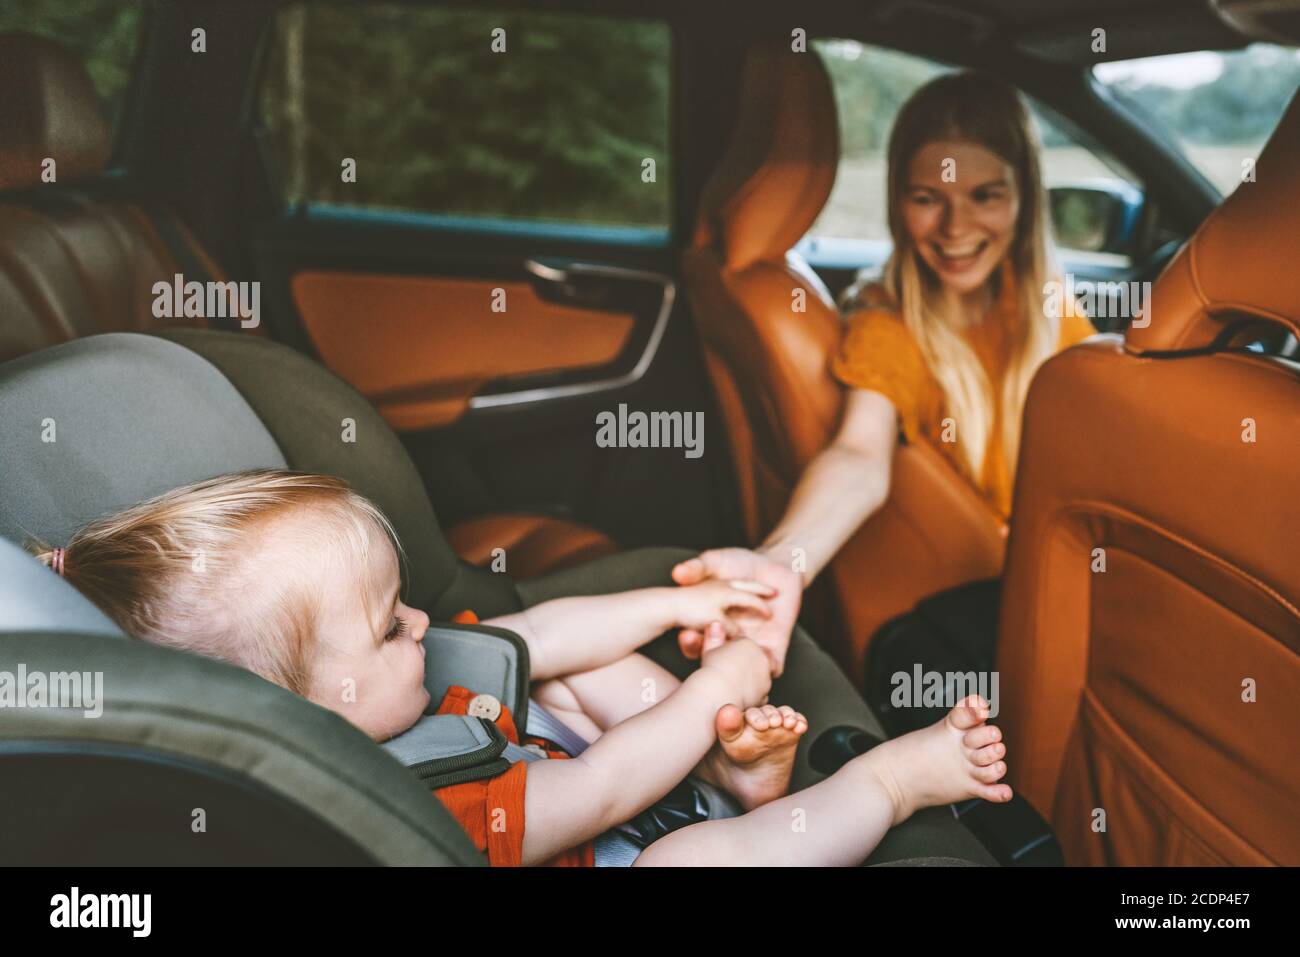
(491, 811)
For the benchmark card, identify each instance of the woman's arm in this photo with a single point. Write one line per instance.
(840, 488)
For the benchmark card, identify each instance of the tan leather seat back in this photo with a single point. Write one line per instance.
(70, 265)
(769, 327)
(1150, 641)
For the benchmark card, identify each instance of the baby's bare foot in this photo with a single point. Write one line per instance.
(957, 758)
(754, 756)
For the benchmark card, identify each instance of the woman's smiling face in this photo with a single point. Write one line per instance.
(961, 229)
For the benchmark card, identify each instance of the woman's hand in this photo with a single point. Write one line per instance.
(772, 633)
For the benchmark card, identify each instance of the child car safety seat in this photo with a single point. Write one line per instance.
(194, 761)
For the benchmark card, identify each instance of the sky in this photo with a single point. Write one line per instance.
(1179, 70)
(1182, 70)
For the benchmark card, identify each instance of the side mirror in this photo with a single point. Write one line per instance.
(1096, 216)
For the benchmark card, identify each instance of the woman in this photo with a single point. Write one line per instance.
(944, 347)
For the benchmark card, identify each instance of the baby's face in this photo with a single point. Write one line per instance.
(370, 660)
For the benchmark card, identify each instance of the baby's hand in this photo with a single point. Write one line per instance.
(744, 666)
(724, 602)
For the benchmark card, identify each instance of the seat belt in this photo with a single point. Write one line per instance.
(542, 724)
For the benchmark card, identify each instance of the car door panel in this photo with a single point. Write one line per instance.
(432, 342)
(499, 408)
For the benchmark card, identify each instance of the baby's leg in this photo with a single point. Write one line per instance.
(839, 821)
(592, 702)
(754, 755)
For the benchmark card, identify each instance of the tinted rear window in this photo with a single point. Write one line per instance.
(495, 114)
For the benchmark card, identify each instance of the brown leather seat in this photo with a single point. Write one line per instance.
(71, 264)
(1151, 710)
(532, 544)
(769, 362)
(74, 263)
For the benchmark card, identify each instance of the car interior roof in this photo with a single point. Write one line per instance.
(1060, 32)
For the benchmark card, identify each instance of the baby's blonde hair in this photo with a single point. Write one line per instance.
(180, 569)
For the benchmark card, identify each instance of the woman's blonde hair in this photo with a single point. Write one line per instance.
(980, 109)
(181, 569)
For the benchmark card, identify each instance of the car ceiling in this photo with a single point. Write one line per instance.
(1059, 31)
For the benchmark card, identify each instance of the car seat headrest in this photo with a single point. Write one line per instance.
(779, 168)
(33, 598)
(1240, 263)
(94, 425)
(49, 110)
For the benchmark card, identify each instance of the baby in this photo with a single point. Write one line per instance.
(296, 578)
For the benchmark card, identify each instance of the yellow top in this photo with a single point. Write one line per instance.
(878, 353)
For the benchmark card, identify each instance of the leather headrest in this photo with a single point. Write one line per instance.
(1241, 263)
(779, 169)
(49, 108)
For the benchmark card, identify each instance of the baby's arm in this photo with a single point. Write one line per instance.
(571, 635)
(641, 759)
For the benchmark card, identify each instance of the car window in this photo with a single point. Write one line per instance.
(508, 115)
(1219, 107)
(103, 33)
(871, 84)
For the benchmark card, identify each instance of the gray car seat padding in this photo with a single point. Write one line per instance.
(440, 737)
(484, 659)
(32, 598)
(303, 406)
(126, 414)
(169, 701)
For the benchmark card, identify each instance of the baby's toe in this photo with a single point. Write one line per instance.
(773, 715)
(991, 774)
(970, 712)
(987, 755)
(997, 793)
(979, 737)
(756, 718)
(729, 722)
